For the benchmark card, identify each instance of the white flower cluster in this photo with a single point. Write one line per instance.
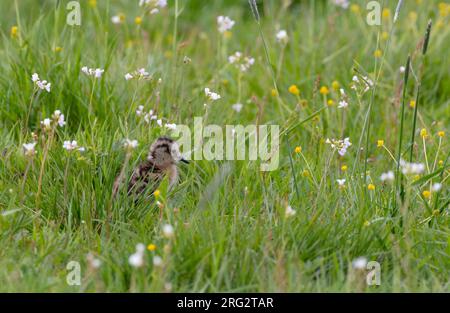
(342, 3)
(282, 37)
(97, 72)
(211, 95)
(168, 231)
(341, 182)
(72, 145)
(154, 5)
(150, 116)
(224, 23)
(243, 63)
(289, 211)
(343, 102)
(389, 176)
(29, 149)
(359, 263)
(138, 74)
(57, 117)
(411, 168)
(137, 258)
(41, 84)
(340, 145)
(93, 261)
(130, 144)
(365, 83)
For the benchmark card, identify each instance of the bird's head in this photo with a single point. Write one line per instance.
(165, 152)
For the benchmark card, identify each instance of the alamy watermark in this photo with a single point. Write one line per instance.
(231, 142)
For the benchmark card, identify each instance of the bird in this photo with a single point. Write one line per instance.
(162, 159)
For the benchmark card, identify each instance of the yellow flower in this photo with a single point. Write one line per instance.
(274, 92)
(298, 149)
(412, 16)
(335, 84)
(441, 133)
(384, 35)
(378, 53)
(293, 89)
(355, 8)
(412, 104)
(423, 133)
(305, 173)
(344, 168)
(138, 20)
(371, 187)
(324, 90)
(366, 223)
(441, 162)
(93, 3)
(380, 143)
(129, 43)
(330, 102)
(386, 13)
(151, 247)
(157, 193)
(14, 31)
(168, 54)
(444, 9)
(426, 194)
(58, 49)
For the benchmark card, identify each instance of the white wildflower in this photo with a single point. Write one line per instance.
(243, 63)
(224, 23)
(116, 19)
(137, 258)
(29, 149)
(41, 84)
(93, 261)
(340, 145)
(128, 76)
(436, 187)
(171, 126)
(282, 36)
(96, 72)
(289, 211)
(411, 168)
(211, 95)
(140, 110)
(341, 182)
(46, 123)
(359, 263)
(342, 3)
(130, 144)
(168, 231)
(389, 176)
(342, 104)
(72, 145)
(157, 261)
(237, 107)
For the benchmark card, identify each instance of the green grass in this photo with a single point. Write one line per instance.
(231, 233)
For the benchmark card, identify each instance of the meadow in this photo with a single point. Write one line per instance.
(363, 170)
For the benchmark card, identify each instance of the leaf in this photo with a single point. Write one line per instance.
(429, 176)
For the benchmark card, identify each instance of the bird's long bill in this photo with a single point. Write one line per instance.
(184, 161)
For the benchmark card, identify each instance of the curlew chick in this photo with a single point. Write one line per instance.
(162, 159)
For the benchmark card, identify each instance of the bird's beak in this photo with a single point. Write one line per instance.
(184, 161)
